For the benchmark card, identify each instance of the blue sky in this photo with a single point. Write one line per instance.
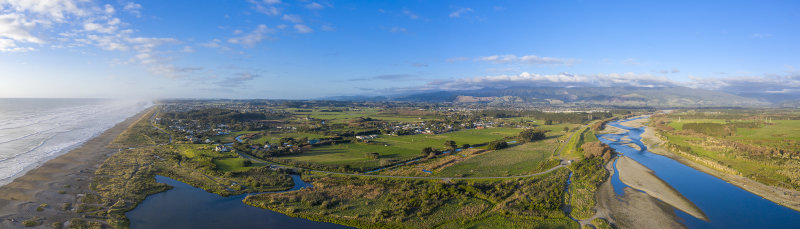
(311, 49)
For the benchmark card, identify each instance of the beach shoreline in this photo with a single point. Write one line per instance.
(785, 197)
(59, 182)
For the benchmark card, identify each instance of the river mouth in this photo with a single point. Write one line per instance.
(185, 206)
(724, 204)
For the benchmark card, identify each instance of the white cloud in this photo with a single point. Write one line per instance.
(410, 14)
(529, 59)
(456, 59)
(266, 6)
(216, 43)
(133, 8)
(328, 28)
(187, 49)
(303, 28)
(630, 61)
(238, 79)
(314, 6)
(459, 12)
(398, 30)
(292, 18)
(8, 45)
(252, 38)
(109, 27)
(17, 28)
(668, 71)
(532, 59)
(551, 80)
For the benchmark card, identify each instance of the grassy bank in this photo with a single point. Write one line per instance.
(737, 143)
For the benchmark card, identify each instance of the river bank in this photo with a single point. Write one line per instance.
(782, 196)
(47, 192)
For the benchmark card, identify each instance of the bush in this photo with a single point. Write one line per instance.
(529, 135)
(597, 149)
(496, 145)
(372, 155)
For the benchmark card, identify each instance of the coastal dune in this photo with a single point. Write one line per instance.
(640, 177)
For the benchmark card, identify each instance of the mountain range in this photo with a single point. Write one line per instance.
(656, 97)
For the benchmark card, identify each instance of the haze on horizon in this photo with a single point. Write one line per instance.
(309, 49)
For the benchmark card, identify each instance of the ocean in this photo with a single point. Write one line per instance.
(33, 131)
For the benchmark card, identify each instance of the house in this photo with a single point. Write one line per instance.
(221, 148)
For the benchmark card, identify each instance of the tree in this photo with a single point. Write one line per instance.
(535, 134)
(548, 122)
(372, 155)
(450, 144)
(566, 129)
(465, 146)
(496, 145)
(597, 149)
(427, 151)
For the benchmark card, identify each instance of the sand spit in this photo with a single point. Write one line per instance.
(611, 130)
(634, 146)
(610, 139)
(786, 197)
(636, 123)
(642, 178)
(63, 179)
(634, 209)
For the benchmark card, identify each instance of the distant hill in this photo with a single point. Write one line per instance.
(661, 97)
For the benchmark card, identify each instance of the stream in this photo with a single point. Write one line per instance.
(726, 205)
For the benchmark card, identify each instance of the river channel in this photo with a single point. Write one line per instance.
(726, 205)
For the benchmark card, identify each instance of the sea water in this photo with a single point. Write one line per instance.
(33, 131)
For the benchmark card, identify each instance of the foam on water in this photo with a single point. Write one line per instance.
(33, 131)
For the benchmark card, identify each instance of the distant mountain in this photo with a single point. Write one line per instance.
(661, 97)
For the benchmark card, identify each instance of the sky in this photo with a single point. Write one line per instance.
(281, 49)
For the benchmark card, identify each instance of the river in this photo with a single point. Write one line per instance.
(185, 206)
(726, 205)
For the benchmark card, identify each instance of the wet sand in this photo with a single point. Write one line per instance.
(782, 196)
(642, 178)
(60, 180)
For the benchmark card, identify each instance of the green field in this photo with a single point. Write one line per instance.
(520, 159)
(397, 147)
(231, 165)
(775, 135)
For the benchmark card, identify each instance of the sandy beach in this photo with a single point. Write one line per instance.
(782, 196)
(61, 180)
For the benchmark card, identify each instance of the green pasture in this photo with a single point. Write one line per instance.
(519, 159)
